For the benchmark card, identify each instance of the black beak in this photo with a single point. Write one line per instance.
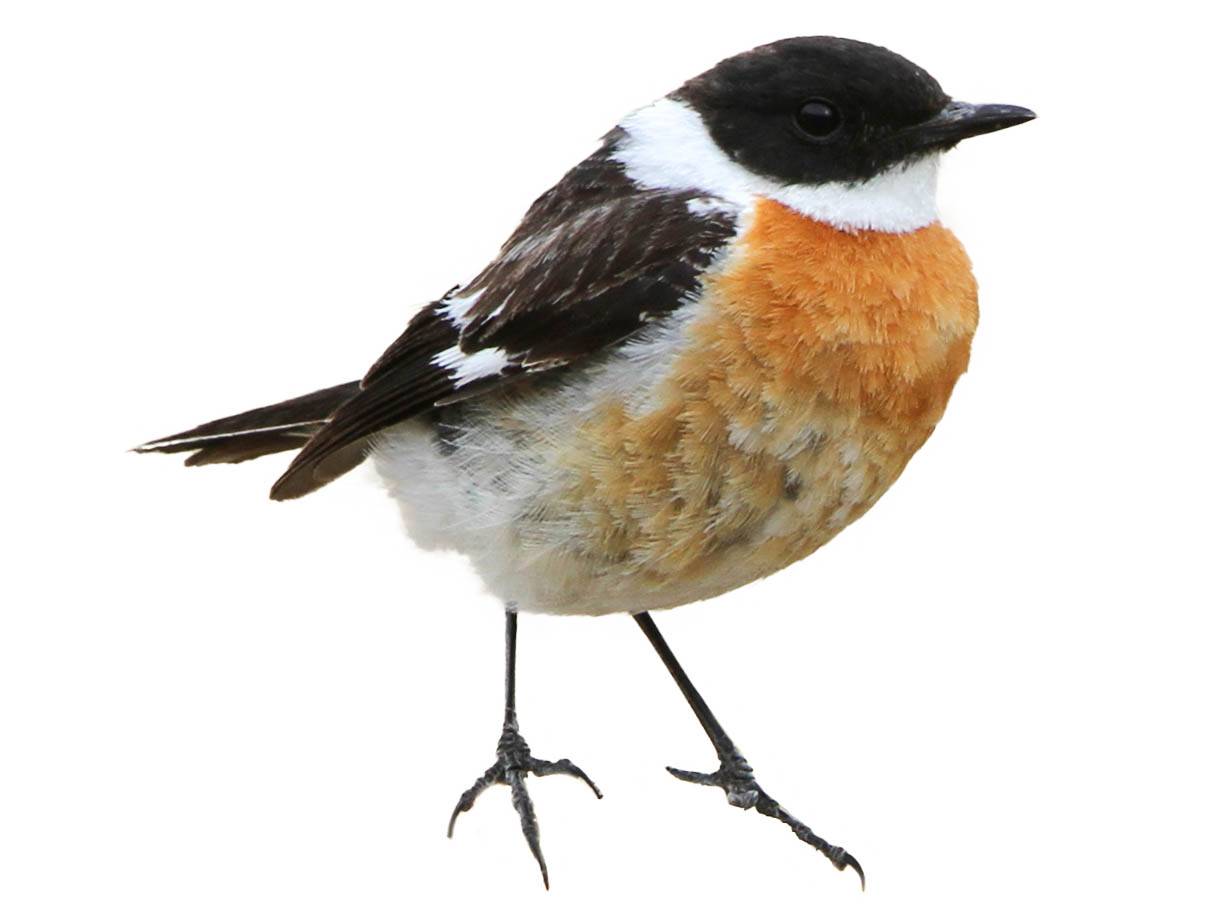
(960, 120)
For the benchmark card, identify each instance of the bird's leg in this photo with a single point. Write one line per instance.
(514, 762)
(734, 774)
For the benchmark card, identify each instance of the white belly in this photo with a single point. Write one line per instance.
(479, 485)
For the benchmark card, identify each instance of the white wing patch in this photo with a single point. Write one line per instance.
(466, 367)
(457, 308)
(709, 206)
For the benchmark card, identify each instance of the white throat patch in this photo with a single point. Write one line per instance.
(667, 147)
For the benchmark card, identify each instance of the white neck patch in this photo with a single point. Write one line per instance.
(667, 147)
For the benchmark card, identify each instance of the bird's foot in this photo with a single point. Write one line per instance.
(513, 764)
(734, 777)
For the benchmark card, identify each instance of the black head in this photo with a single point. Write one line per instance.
(811, 110)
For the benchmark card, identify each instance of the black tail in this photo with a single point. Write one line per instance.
(284, 426)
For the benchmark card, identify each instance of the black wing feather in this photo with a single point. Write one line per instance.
(257, 432)
(594, 259)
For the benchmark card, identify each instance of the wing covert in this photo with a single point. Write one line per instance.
(594, 259)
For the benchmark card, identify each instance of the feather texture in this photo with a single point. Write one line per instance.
(594, 260)
(270, 429)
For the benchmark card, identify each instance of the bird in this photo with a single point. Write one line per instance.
(706, 350)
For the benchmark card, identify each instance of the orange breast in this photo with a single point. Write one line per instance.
(874, 323)
(819, 362)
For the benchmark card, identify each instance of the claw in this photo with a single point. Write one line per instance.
(522, 803)
(469, 796)
(848, 860)
(514, 764)
(838, 856)
(565, 766)
(692, 776)
(734, 777)
(735, 780)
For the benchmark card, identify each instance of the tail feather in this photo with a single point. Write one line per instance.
(271, 429)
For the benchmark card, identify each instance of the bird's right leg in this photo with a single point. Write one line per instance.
(734, 775)
(514, 762)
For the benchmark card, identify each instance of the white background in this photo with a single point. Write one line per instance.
(996, 690)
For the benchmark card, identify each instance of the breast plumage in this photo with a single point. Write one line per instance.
(737, 437)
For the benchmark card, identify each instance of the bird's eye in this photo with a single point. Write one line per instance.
(818, 118)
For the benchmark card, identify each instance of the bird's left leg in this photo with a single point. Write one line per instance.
(734, 775)
(514, 762)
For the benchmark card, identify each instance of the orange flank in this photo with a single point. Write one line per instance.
(818, 364)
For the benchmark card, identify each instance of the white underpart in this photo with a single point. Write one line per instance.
(472, 498)
(668, 147)
(467, 367)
